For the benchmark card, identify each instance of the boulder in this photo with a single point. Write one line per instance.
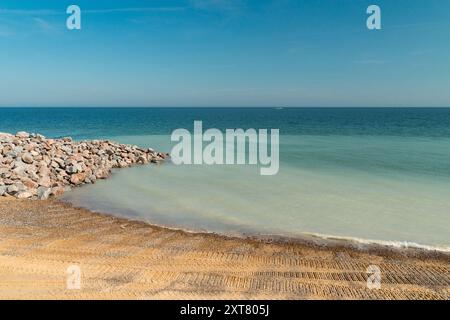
(101, 174)
(60, 161)
(57, 191)
(123, 164)
(33, 176)
(13, 189)
(6, 137)
(44, 181)
(24, 195)
(43, 193)
(27, 158)
(43, 170)
(22, 135)
(71, 169)
(30, 184)
(54, 164)
(8, 182)
(78, 178)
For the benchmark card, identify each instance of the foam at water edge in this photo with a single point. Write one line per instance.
(386, 243)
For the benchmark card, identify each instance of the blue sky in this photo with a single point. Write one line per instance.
(225, 53)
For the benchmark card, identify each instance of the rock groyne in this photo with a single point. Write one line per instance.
(34, 167)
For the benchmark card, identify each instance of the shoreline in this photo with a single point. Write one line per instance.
(127, 259)
(305, 239)
(36, 167)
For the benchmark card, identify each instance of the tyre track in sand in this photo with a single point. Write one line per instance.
(121, 259)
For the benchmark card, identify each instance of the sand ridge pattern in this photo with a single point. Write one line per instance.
(122, 259)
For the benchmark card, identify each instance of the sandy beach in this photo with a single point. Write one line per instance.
(122, 259)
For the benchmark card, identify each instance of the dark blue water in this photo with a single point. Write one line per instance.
(85, 123)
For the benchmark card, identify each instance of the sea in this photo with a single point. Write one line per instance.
(363, 175)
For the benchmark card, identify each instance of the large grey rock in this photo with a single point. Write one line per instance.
(43, 193)
(13, 189)
(3, 190)
(71, 169)
(18, 150)
(14, 153)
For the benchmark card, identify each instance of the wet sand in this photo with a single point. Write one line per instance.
(122, 259)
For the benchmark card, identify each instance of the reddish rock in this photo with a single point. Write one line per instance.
(101, 174)
(57, 191)
(78, 178)
(45, 181)
(30, 184)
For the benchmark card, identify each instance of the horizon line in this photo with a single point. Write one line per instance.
(227, 107)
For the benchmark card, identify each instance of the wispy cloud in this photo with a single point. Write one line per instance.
(146, 9)
(47, 12)
(24, 12)
(12, 20)
(44, 25)
(26, 25)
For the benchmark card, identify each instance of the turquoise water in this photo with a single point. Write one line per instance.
(361, 174)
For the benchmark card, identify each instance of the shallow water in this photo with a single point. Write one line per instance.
(378, 188)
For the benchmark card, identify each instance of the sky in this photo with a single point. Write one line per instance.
(300, 53)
